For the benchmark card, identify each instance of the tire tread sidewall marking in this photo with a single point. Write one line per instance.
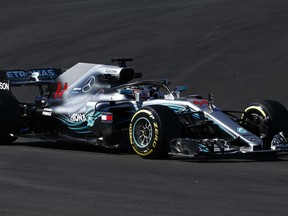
(154, 142)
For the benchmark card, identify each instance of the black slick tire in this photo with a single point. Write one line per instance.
(9, 117)
(265, 119)
(151, 129)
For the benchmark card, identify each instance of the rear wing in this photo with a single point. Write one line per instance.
(31, 77)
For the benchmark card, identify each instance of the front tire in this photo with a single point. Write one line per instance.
(151, 129)
(265, 119)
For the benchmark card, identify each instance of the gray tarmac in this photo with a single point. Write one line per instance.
(235, 49)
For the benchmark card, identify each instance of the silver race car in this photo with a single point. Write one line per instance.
(104, 105)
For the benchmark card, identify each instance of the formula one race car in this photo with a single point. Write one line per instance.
(100, 104)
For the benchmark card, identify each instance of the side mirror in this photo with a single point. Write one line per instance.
(181, 88)
(178, 89)
(125, 91)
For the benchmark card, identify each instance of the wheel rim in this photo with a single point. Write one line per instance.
(258, 124)
(142, 132)
(257, 119)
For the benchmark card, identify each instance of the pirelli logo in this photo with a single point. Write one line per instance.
(4, 86)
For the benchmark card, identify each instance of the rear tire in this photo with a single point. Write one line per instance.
(151, 129)
(9, 117)
(265, 119)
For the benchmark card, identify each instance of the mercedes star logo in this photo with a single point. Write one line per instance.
(88, 85)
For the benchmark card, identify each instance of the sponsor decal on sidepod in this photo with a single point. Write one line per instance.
(77, 117)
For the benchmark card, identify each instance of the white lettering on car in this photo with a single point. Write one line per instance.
(4, 86)
(77, 117)
(47, 112)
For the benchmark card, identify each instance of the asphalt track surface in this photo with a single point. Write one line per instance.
(233, 48)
